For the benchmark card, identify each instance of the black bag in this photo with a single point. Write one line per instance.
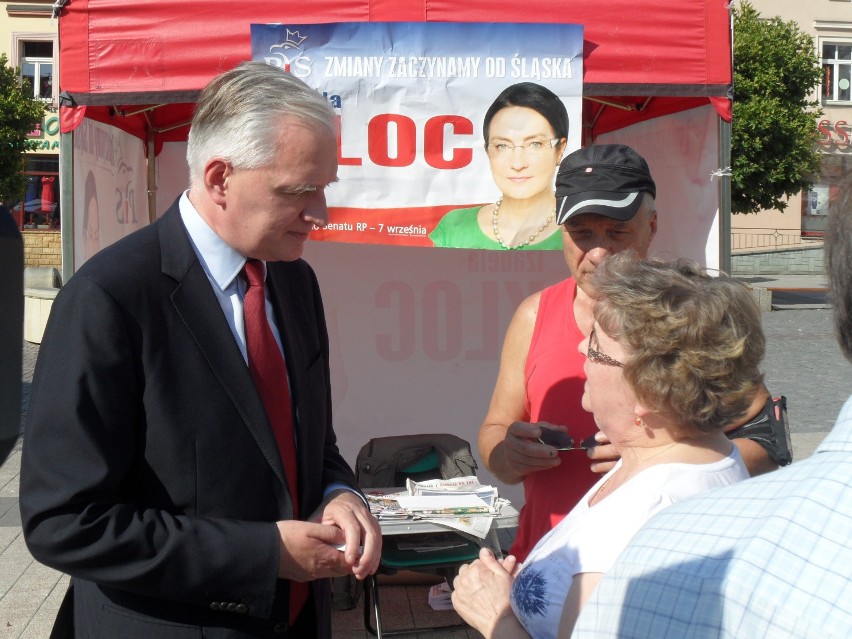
(380, 461)
(769, 429)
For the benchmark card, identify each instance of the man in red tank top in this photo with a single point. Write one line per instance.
(605, 204)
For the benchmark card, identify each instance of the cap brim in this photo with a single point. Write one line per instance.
(618, 206)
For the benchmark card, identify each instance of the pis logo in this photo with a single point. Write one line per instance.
(288, 55)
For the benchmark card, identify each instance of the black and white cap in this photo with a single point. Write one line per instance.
(606, 179)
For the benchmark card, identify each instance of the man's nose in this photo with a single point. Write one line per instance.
(598, 251)
(316, 211)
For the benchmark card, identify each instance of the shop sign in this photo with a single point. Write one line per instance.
(50, 127)
(837, 133)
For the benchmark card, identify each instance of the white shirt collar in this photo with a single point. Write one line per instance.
(221, 262)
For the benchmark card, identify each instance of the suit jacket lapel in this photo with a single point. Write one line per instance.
(197, 305)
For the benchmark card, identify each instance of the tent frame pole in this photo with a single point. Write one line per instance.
(152, 178)
(66, 200)
(725, 197)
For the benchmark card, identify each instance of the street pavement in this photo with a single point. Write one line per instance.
(802, 362)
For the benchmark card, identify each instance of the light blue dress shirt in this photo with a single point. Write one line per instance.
(767, 558)
(222, 265)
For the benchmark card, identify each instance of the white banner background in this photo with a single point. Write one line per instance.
(416, 332)
(115, 160)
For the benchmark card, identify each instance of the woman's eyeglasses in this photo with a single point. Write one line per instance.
(594, 355)
(536, 147)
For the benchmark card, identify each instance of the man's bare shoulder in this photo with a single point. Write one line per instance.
(523, 321)
(528, 309)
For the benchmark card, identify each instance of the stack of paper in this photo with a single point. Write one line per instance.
(456, 486)
(462, 504)
(444, 505)
(386, 506)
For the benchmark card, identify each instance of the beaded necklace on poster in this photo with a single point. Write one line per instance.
(496, 224)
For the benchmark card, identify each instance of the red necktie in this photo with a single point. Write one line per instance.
(267, 368)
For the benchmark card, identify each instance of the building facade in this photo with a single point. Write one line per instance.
(28, 37)
(801, 225)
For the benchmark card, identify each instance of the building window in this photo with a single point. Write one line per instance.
(37, 207)
(36, 62)
(837, 71)
(830, 189)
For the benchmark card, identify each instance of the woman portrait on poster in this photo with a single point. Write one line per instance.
(525, 131)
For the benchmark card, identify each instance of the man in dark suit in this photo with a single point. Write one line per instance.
(154, 467)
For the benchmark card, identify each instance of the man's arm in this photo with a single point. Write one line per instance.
(755, 456)
(82, 465)
(344, 506)
(507, 442)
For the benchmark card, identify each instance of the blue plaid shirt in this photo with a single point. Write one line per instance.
(768, 557)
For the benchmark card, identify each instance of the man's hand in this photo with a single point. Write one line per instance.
(308, 551)
(347, 511)
(603, 455)
(523, 452)
(309, 548)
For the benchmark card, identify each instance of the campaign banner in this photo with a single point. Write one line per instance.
(110, 187)
(412, 100)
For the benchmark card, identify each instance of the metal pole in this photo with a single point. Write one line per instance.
(152, 178)
(725, 197)
(66, 198)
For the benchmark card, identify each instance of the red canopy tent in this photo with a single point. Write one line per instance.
(642, 59)
(415, 332)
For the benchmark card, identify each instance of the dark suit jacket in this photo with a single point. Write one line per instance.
(150, 472)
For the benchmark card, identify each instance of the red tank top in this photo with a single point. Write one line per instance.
(554, 390)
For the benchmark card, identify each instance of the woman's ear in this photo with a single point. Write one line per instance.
(650, 420)
(642, 414)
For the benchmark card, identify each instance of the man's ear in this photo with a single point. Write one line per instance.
(653, 223)
(217, 173)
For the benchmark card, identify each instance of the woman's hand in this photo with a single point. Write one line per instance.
(481, 595)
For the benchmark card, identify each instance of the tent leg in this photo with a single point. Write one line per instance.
(725, 197)
(152, 179)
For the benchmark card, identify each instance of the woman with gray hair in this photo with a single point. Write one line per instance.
(672, 358)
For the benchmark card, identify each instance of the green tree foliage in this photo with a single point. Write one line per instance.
(774, 149)
(19, 114)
